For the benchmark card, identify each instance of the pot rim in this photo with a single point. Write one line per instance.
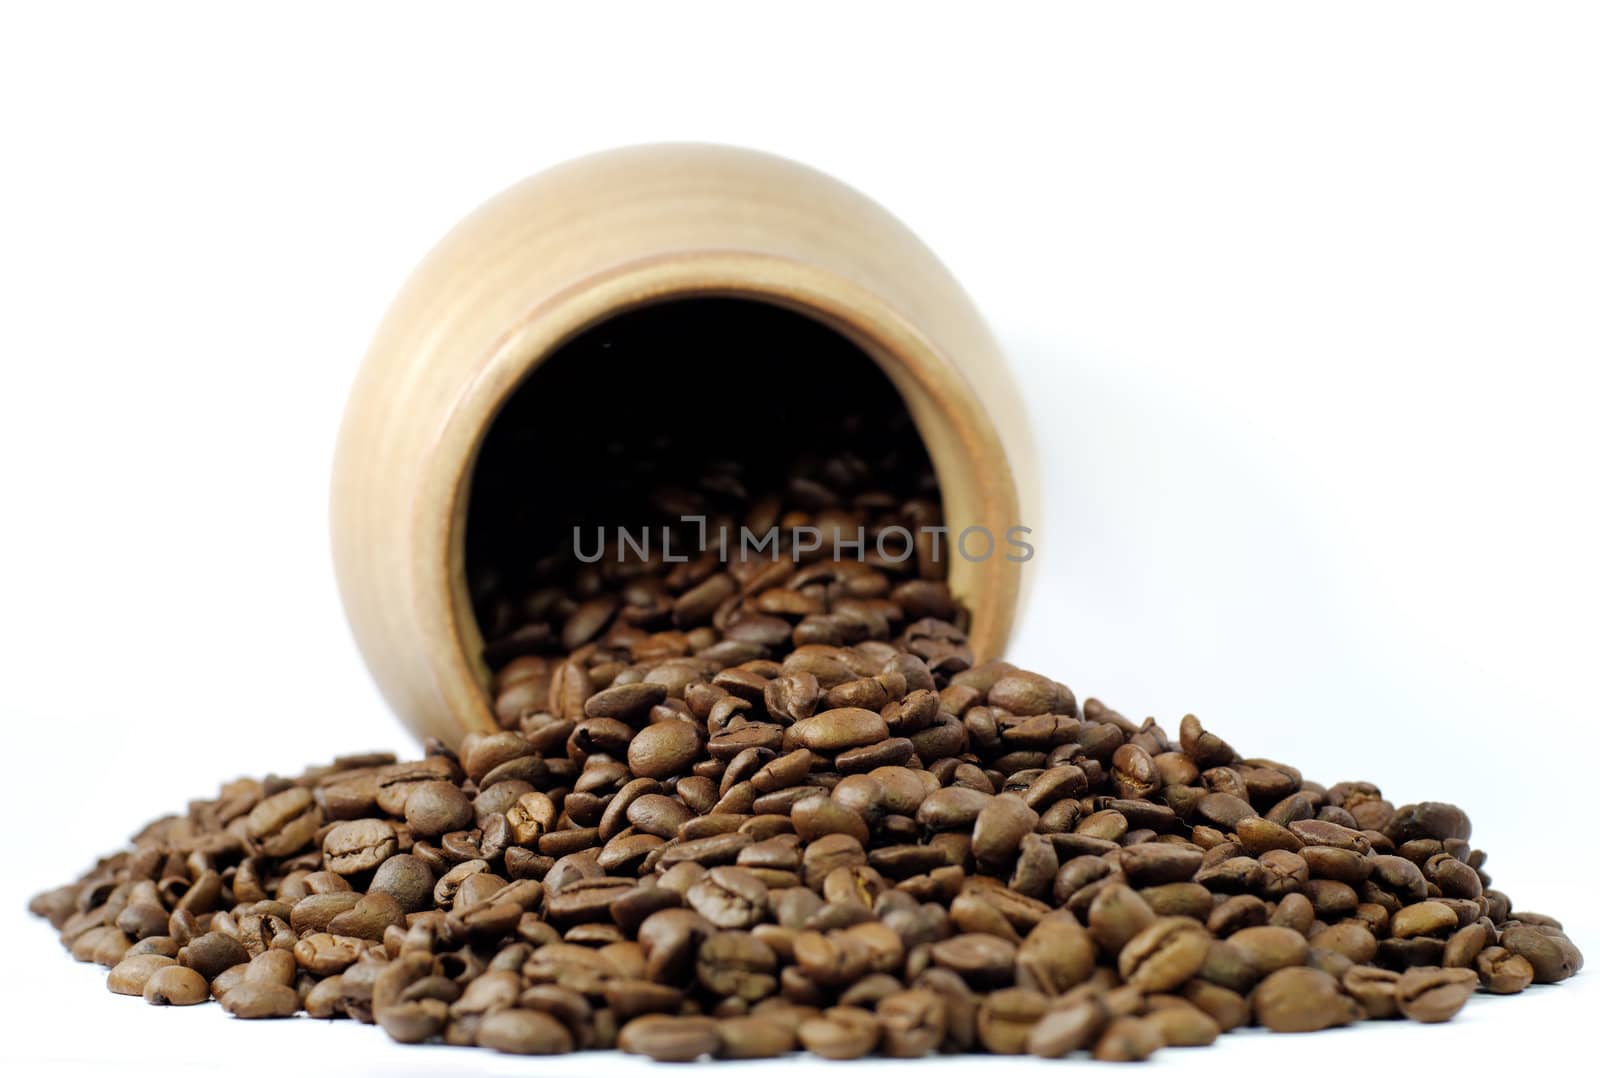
(975, 481)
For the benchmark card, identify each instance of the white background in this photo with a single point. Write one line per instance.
(1303, 302)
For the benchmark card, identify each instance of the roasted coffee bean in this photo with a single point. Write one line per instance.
(1500, 971)
(1423, 919)
(737, 965)
(1268, 948)
(437, 808)
(1164, 954)
(129, 976)
(663, 749)
(630, 998)
(1430, 819)
(981, 960)
(177, 986)
(1116, 916)
(913, 1022)
(1006, 1017)
(627, 702)
(1056, 955)
(1061, 1031)
(1373, 989)
(414, 1021)
(831, 959)
(1461, 950)
(261, 999)
(1351, 939)
(286, 822)
(1433, 994)
(670, 1039)
(1152, 863)
(840, 1033)
(523, 1032)
(1127, 1040)
(407, 880)
(358, 846)
(999, 828)
(1180, 1023)
(820, 815)
(659, 815)
(211, 953)
(1551, 961)
(369, 917)
(753, 1037)
(1300, 1000)
(838, 729)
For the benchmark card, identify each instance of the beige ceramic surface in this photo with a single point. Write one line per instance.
(571, 246)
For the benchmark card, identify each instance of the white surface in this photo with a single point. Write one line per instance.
(1304, 305)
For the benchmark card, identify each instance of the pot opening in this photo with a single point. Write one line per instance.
(686, 468)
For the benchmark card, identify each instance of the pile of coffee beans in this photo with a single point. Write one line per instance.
(848, 849)
(746, 805)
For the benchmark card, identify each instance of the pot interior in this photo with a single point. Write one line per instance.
(670, 439)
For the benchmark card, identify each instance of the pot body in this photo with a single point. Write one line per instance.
(586, 240)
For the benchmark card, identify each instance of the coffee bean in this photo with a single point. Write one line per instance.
(1007, 1017)
(1268, 948)
(837, 729)
(271, 967)
(211, 953)
(436, 808)
(981, 960)
(129, 976)
(658, 815)
(1116, 916)
(913, 1023)
(358, 846)
(737, 964)
(821, 815)
(285, 823)
(414, 1021)
(1551, 961)
(177, 986)
(1164, 954)
(407, 880)
(1500, 971)
(369, 918)
(1432, 994)
(1153, 863)
(1355, 941)
(840, 1033)
(831, 959)
(753, 1037)
(663, 749)
(325, 954)
(729, 897)
(1056, 955)
(1300, 1000)
(1423, 919)
(1374, 989)
(1430, 819)
(523, 1032)
(1064, 1030)
(669, 1039)
(627, 702)
(1127, 1040)
(999, 828)
(260, 999)
(530, 817)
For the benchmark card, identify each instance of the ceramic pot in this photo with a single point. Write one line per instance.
(583, 242)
